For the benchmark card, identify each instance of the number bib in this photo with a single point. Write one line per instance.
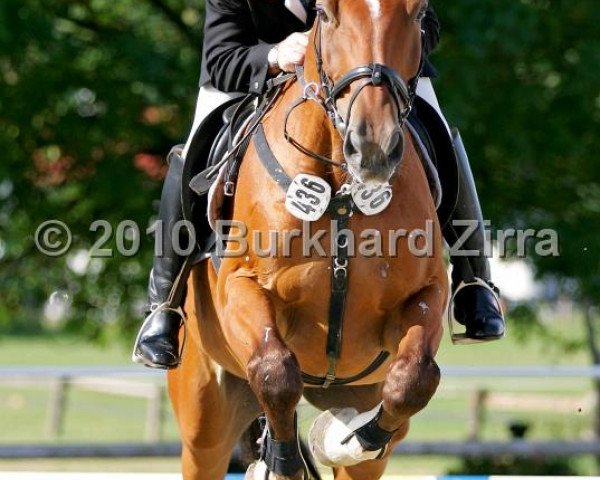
(371, 200)
(308, 197)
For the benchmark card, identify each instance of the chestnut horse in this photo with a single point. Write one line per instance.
(259, 331)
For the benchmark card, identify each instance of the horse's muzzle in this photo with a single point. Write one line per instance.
(371, 159)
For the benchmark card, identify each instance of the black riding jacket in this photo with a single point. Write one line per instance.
(238, 35)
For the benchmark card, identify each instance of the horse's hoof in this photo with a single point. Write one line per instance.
(259, 471)
(331, 441)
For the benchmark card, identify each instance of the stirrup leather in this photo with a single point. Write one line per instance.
(461, 338)
(155, 310)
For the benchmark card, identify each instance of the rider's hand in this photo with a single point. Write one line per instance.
(291, 51)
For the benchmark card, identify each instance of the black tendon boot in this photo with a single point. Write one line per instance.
(157, 343)
(476, 304)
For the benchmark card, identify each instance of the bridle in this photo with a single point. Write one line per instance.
(327, 92)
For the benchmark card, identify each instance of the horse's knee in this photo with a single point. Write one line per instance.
(274, 375)
(410, 384)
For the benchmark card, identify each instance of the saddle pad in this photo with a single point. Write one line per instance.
(216, 199)
(431, 171)
(216, 193)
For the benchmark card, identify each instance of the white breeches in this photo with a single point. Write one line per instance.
(209, 98)
(426, 92)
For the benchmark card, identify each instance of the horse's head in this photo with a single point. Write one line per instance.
(371, 56)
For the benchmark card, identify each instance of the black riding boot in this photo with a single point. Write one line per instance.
(476, 304)
(157, 344)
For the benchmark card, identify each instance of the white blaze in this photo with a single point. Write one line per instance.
(375, 8)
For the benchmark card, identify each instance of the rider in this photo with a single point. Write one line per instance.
(245, 43)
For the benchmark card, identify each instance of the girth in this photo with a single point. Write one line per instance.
(340, 209)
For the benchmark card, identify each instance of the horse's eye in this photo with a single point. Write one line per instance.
(322, 13)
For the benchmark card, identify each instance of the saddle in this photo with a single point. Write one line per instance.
(432, 138)
(211, 143)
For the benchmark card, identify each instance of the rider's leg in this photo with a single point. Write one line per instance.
(157, 344)
(475, 303)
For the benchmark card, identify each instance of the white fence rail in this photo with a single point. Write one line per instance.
(173, 449)
(149, 384)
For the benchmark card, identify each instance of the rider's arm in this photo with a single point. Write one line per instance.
(235, 59)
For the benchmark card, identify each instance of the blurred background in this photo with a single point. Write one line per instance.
(93, 93)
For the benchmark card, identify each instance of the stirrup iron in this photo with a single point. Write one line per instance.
(155, 311)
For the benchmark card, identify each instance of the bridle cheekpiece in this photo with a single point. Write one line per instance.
(327, 93)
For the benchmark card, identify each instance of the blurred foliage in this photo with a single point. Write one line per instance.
(93, 93)
(509, 464)
(505, 464)
(521, 80)
(526, 323)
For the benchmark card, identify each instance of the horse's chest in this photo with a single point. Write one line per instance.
(375, 283)
(303, 296)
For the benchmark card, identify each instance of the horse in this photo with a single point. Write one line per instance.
(354, 333)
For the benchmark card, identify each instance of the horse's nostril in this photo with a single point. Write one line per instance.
(395, 144)
(351, 144)
(395, 148)
(394, 139)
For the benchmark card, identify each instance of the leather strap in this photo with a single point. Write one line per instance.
(340, 208)
(269, 160)
(371, 436)
(320, 381)
(281, 458)
(279, 80)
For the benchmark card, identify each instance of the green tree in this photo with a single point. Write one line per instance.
(92, 96)
(521, 80)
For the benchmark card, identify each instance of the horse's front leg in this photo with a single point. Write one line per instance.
(414, 375)
(274, 376)
(342, 438)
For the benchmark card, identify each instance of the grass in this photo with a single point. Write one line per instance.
(59, 350)
(97, 417)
